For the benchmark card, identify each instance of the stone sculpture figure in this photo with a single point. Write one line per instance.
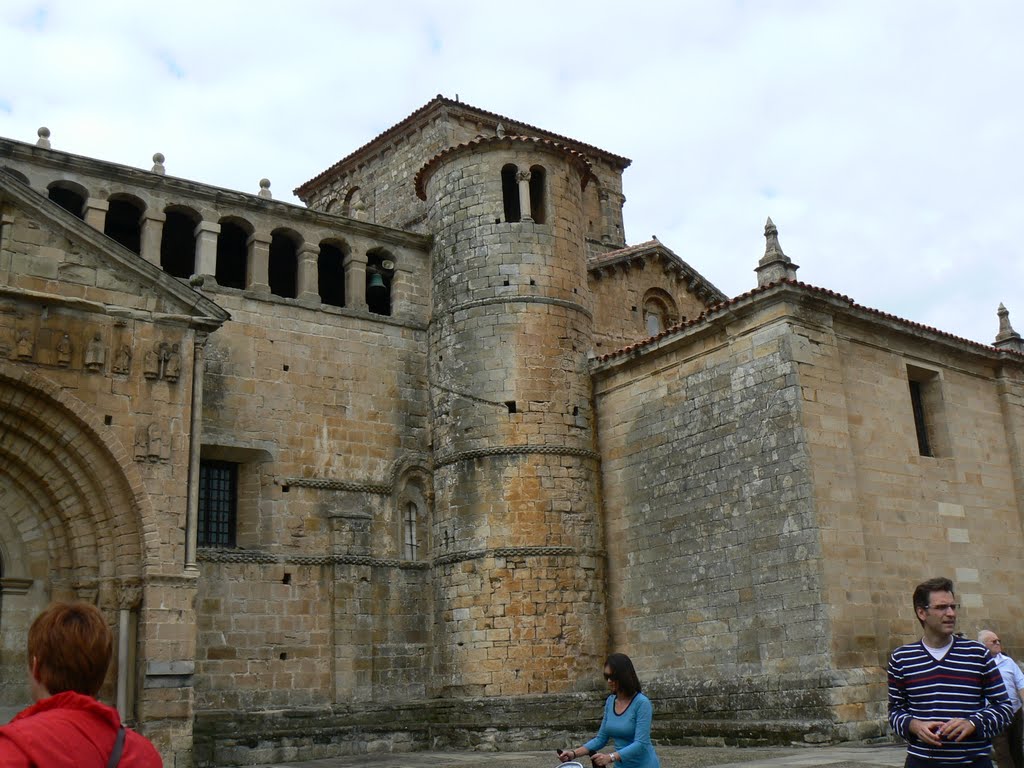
(172, 369)
(123, 360)
(151, 364)
(95, 354)
(64, 350)
(25, 347)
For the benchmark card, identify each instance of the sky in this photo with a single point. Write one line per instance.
(883, 137)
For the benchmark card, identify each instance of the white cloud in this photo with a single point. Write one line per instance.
(881, 137)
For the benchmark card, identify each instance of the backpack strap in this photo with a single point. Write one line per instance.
(115, 756)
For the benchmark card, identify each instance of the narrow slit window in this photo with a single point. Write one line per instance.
(411, 542)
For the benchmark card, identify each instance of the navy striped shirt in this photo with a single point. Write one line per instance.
(963, 683)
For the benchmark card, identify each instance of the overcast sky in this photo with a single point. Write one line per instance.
(883, 137)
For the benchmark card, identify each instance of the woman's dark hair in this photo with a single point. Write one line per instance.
(623, 673)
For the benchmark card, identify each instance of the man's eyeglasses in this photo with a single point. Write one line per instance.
(943, 608)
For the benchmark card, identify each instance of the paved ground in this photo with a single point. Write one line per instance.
(883, 756)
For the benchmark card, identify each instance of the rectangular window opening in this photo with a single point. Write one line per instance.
(927, 407)
(218, 503)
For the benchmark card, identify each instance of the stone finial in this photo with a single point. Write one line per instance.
(44, 137)
(158, 163)
(774, 265)
(1007, 338)
(265, 189)
(501, 131)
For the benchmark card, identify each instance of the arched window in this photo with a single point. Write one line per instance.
(284, 263)
(410, 537)
(69, 196)
(178, 242)
(538, 195)
(18, 175)
(592, 210)
(331, 273)
(510, 193)
(411, 512)
(659, 311)
(233, 252)
(124, 221)
(380, 270)
(354, 207)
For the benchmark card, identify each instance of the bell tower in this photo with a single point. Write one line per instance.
(519, 579)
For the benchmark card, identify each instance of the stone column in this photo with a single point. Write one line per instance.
(355, 279)
(194, 446)
(606, 216)
(525, 211)
(95, 213)
(308, 279)
(152, 231)
(257, 270)
(206, 233)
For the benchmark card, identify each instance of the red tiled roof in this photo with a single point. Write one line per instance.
(715, 309)
(699, 285)
(437, 103)
(420, 179)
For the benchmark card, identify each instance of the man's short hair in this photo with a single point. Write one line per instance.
(71, 645)
(923, 591)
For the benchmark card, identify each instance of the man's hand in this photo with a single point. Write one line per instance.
(956, 729)
(927, 731)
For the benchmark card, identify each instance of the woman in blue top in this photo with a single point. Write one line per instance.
(627, 721)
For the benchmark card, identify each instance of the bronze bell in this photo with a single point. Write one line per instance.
(376, 284)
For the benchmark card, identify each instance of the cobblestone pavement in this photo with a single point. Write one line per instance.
(880, 756)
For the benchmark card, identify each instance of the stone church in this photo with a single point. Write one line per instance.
(397, 469)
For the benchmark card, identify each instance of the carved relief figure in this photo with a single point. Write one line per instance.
(25, 347)
(151, 364)
(64, 350)
(163, 353)
(95, 354)
(141, 443)
(123, 359)
(150, 444)
(173, 368)
(155, 443)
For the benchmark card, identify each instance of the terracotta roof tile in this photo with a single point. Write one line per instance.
(436, 104)
(420, 179)
(716, 308)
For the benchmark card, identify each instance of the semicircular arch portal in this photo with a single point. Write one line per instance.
(72, 511)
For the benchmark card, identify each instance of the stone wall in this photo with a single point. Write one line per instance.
(96, 390)
(891, 517)
(618, 300)
(715, 567)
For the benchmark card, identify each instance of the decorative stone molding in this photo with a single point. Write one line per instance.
(516, 450)
(257, 557)
(13, 585)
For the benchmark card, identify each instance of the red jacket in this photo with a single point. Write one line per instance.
(69, 729)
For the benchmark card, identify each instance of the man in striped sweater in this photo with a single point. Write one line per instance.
(946, 696)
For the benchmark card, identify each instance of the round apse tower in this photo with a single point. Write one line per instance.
(519, 573)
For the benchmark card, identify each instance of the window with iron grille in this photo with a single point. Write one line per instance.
(218, 500)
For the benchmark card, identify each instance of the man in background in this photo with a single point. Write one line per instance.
(946, 696)
(1009, 745)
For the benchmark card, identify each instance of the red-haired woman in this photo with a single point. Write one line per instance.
(627, 721)
(69, 650)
